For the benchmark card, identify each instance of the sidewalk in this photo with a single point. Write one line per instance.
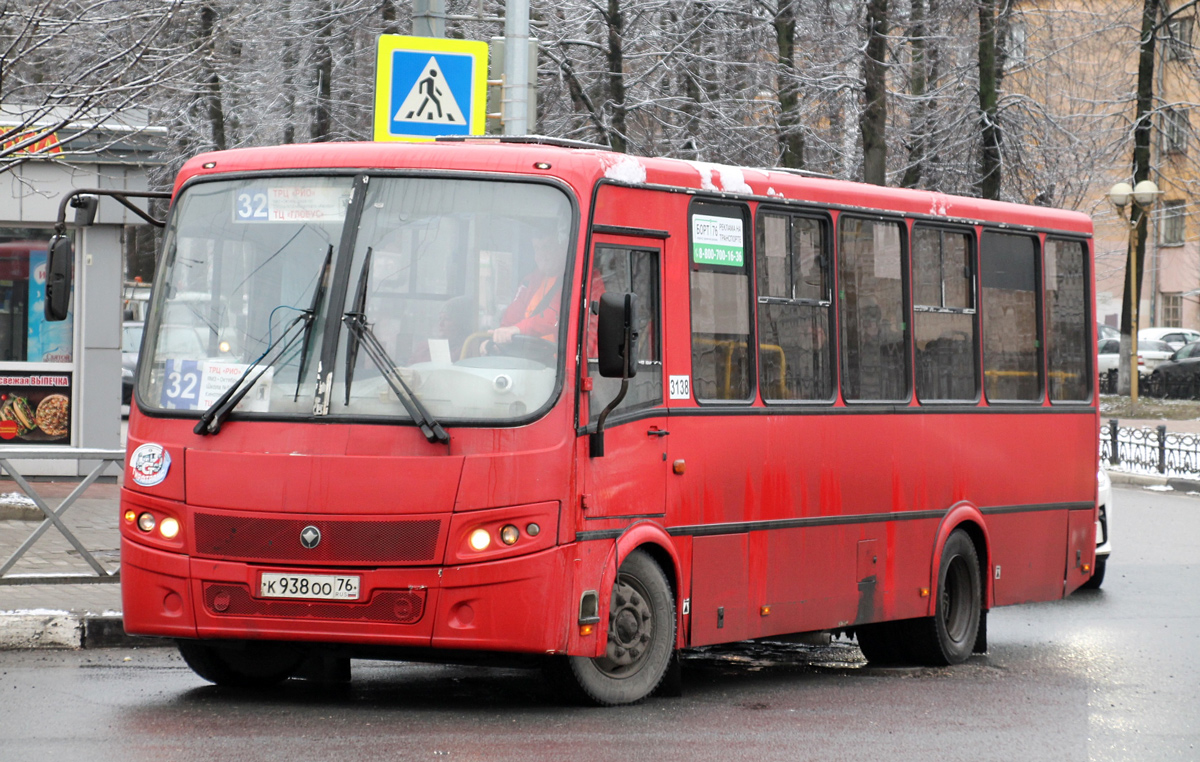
(1173, 427)
(62, 616)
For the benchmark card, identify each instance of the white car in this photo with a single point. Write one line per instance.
(1103, 530)
(1150, 355)
(1176, 337)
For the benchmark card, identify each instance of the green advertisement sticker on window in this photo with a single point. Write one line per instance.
(717, 241)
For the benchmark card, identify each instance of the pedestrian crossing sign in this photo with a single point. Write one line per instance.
(429, 86)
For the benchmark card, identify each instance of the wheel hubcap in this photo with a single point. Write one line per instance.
(630, 629)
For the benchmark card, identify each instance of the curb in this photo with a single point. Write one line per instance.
(21, 630)
(1153, 480)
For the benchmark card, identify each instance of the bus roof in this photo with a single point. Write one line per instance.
(581, 168)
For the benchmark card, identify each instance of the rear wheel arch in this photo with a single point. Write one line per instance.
(967, 517)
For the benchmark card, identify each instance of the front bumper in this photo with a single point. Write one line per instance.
(516, 604)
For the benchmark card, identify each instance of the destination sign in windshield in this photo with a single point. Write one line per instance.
(290, 203)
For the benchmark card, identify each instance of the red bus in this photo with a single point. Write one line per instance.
(493, 398)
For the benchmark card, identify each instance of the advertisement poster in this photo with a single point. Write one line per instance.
(47, 341)
(35, 408)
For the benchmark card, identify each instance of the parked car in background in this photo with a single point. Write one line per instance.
(131, 342)
(1108, 355)
(1176, 337)
(1106, 332)
(175, 341)
(1179, 376)
(1103, 530)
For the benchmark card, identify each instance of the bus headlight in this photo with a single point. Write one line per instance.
(480, 539)
(494, 533)
(146, 522)
(169, 528)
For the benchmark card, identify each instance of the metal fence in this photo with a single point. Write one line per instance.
(1149, 451)
(102, 459)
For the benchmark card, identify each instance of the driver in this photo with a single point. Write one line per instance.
(534, 310)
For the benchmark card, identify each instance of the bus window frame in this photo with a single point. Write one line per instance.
(747, 269)
(334, 327)
(1038, 237)
(825, 218)
(623, 413)
(906, 225)
(1089, 280)
(976, 312)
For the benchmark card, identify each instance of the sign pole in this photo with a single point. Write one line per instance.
(516, 67)
(429, 18)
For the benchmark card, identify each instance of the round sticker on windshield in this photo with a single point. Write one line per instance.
(150, 464)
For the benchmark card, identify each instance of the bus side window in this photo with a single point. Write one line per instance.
(794, 351)
(720, 302)
(944, 315)
(871, 286)
(1066, 321)
(619, 270)
(1008, 266)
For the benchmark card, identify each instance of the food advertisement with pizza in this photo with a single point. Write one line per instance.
(35, 408)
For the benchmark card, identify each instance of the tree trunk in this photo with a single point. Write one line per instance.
(919, 83)
(791, 138)
(212, 82)
(616, 75)
(1141, 171)
(388, 13)
(873, 123)
(322, 121)
(989, 156)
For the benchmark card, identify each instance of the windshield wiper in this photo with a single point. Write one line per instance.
(362, 335)
(210, 421)
(313, 309)
(358, 308)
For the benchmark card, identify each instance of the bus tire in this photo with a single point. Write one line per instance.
(641, 639)
(257, 665)
(948, 637)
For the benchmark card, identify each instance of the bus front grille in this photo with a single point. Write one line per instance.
(395, 606)
(343, 541)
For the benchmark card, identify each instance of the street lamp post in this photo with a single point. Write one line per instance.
(1143, 195)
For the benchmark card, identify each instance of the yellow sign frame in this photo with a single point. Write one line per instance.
(389, 44)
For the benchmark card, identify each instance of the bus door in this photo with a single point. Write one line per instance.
(629, 481)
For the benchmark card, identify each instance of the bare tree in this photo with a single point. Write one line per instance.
(79, 63)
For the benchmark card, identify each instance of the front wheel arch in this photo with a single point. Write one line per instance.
(640, 640)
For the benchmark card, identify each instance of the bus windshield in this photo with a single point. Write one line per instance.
(457, 284)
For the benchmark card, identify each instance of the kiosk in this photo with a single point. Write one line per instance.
(60, 382)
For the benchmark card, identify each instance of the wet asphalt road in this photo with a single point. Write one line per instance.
(1106, 675)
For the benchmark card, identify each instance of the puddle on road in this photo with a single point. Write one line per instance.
(754, 655)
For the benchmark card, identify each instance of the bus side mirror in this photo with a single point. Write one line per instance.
(616, 344)
(58, 278)
(85, 209)
(616, 338)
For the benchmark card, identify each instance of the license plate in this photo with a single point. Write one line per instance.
(320, 586)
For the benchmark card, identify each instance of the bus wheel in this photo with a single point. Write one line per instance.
(948, 637)
(257, 665)
(641, 638)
